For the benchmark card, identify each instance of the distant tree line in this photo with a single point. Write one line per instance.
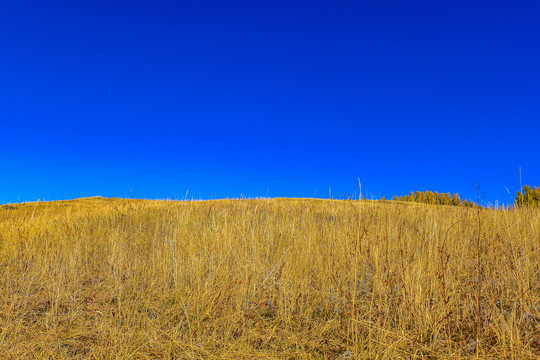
(434, 198)
(528, 196)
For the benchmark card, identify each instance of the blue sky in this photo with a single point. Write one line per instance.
(267, 98)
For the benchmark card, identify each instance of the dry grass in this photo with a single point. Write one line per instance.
(267, 279)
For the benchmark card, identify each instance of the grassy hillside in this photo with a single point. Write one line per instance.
(267, 279)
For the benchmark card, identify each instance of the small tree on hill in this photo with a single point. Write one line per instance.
(528, 196)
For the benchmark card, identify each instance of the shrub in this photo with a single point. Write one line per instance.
(435, 198)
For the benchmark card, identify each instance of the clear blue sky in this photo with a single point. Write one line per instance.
(267, 98)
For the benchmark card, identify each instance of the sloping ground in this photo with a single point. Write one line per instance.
(269, 279)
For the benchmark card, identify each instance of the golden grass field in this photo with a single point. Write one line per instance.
(267, 279)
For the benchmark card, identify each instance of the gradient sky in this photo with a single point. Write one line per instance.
(268, 98)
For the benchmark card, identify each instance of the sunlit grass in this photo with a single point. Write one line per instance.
(269, 279)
